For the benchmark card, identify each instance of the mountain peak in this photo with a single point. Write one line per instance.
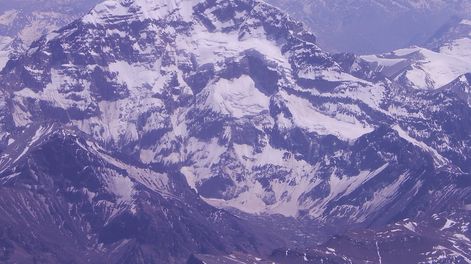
(112, 11)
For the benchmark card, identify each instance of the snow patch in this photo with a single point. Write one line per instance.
(343, 186)
(216, 47)
(462, 237)
(411, 226)
(114, 12)
(465, 22)
(237, 98)
(121, 186)
(439, 160)
(8, 17)
(306, 116)
(449, 223)
(425, 69)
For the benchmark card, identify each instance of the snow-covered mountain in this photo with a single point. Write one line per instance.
(24, 21)
(374, 26)
(229, 103)
(445, 57)
(182, 108)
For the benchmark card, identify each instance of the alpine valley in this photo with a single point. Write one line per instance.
(218, 131)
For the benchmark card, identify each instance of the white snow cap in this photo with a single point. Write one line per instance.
(115, 11)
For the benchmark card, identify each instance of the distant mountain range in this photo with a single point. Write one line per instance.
(23, 21)
(374, 26)
(444, 58)
(218, 131)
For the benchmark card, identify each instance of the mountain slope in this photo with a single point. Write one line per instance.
(81, 205)
(105, 93)
(461, 87)
(239, 85)
(237, 101)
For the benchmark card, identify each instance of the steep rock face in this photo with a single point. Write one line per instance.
(461, 87)
(239, 98)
